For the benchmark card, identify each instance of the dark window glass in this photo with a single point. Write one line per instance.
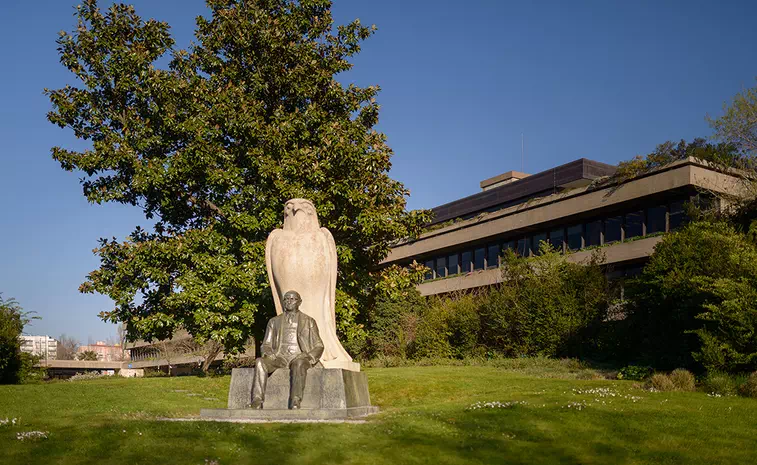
(536, 240)
(704, 202)
(522, 247)
(632, 271)
(612, 229)
(556, 238)
(465, 261)
(478, 258)
(656, 219)
(509, 245)
(677, 215)
(430, 273)
(593, 234)
(574, 237)
(452, 265)
(492, 256)
(441, 267)
(634, 225)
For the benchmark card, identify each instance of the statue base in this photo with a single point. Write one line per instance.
(330, 393)
(302, 415)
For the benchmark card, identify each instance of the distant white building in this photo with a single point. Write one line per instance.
(42, 346)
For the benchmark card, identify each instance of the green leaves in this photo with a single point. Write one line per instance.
(213, 146)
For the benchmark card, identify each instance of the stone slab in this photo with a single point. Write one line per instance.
(286, 414)
(324, 389)
(240, 389)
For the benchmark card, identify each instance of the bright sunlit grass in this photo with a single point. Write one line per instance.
(429, 415)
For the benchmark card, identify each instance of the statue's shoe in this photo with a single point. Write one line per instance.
(296, 401)
(256, 404)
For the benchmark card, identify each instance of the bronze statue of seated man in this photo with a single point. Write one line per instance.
(291, 341)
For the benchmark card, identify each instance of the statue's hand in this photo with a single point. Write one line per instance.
(307, 357)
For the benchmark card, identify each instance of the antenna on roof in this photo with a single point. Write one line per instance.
(521, 152)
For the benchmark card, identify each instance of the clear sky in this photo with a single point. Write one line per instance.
(460, 81)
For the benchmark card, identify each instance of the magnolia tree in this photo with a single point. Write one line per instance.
(210, 147)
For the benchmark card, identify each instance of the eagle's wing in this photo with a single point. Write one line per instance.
(268, 251)
(331, 270)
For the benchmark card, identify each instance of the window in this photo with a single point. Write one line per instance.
(452, 264)
(441, 267)
(466, 258)
(522, 248)
(613, 229)
(634, 226)
(492, 256)
(536, 240)
(575, 237)
(509, 245)
(677, 215)
(478, 258)
(593, 234)
(430, 273)
(556, 238)
(656, 219)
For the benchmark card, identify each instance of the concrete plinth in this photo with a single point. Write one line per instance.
(329, 394)
(286, 415)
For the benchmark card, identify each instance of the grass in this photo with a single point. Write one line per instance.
(425, 418)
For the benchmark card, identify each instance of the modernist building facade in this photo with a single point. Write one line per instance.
(573, 207)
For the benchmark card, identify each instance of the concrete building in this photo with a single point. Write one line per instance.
(44, 347)
(573, 207)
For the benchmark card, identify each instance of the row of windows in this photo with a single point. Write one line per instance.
(600, 231)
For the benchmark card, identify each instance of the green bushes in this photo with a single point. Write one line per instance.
(11, 325)
(635, 373)
(546, 306)
(718, 382)
(696, 301)
(448, 327)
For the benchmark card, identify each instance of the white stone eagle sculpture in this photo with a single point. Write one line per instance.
(302, 257)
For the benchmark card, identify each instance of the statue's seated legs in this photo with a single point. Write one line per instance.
(298, 369)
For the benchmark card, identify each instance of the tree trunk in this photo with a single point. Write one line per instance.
(212, 350)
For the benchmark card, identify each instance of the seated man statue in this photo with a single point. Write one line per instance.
(291, 341)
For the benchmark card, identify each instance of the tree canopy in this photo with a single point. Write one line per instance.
(210, 147)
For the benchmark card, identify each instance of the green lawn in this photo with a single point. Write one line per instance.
(424, 419)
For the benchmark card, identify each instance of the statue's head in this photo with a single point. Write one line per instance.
(300, 214)
(291, 301)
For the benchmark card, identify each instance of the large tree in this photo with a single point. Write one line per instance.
(210, 147)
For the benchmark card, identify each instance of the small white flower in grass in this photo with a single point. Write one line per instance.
(496, 404)
(29, 435)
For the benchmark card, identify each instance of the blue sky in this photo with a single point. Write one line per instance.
(460, 82)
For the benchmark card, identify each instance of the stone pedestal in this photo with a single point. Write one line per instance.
(329, 394)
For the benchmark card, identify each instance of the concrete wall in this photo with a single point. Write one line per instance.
(563, 206)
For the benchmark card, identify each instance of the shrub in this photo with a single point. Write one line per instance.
(29, 373)
(86, 376)
(662, 382)
(393, 323)
(547, 306)
(635, 373)
(11, 324)
(719, 382)
(683, 380)
(448, 327)
(749, 388)
(695, 300)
